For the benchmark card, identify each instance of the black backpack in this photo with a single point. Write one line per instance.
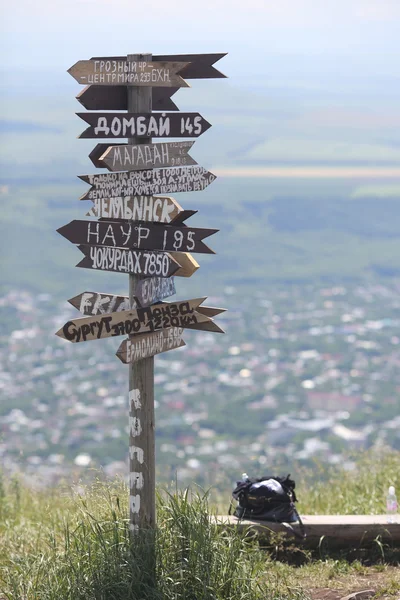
(266, 499)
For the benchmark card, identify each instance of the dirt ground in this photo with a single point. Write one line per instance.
(384, 583)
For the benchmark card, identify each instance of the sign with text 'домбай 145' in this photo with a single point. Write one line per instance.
(147, 183)
(131, 322)
(138, 235)
(129, 72)
(158, 125)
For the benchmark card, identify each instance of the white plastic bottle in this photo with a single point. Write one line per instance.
(391, 505)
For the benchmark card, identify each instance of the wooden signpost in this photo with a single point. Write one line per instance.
(160, 125)
(140, 231)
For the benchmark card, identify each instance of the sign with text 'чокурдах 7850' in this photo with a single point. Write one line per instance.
(147, 183)
(158, 125)
(128, 72)
(119, 260)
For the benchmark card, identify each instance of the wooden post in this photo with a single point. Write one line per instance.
(142, 510)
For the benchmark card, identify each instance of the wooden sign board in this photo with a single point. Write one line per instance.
(144, 346)
(96, 303)
(158, 125)
(128, 72)
(119, 260)
(131, 322)
(115, 97)
(133, 157)
(162, 209)
(147, 183)
(188, 264)
(199, 67)
(154, 289)
(138, 235)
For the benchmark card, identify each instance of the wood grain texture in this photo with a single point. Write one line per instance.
(159, 125)
(188, 264)
(141, 383)
(107, 97)
(137, 262)
(133, 322)
(133, 157)
(200, 65)
(157, 209)
(129, 72)
(339, 531)
(138, 235)
(147, 183)
(135, 350)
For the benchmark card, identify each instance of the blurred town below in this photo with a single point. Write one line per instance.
(307, 264)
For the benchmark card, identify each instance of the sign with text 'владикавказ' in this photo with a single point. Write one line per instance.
(138, 235)
(147, 183)
(131, 322)
(158, 125)
(128, 72)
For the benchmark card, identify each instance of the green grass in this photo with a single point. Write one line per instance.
(74, 544)
(60, 545)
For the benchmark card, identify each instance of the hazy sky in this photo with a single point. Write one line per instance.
(260, 35)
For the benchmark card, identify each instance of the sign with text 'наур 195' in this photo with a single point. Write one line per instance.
(147, 183)
(141, 236)
(127, 72)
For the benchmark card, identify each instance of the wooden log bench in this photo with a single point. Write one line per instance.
(333, 530)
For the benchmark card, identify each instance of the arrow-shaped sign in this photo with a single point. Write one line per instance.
(131, 322)
(133, 157)
(159, 125)
(137, 262)
(162, 209)
(189, 265)
(96, 303)
(138, 235)
(147, 183)
(144, 346)
(128, 72)
(103, 97)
